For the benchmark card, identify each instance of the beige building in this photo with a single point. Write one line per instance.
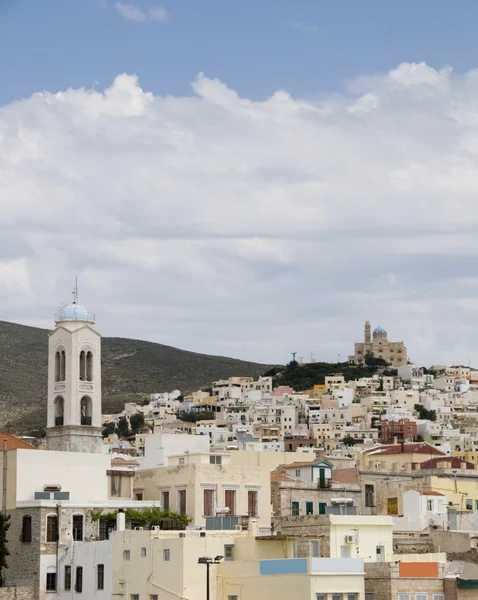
(207, 486)
(157, 565)
(394, 353)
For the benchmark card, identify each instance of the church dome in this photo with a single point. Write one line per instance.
(74, 312)
(379, 330)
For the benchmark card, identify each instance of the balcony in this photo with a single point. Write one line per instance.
(324, 484)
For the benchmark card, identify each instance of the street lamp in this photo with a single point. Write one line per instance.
(207, 560)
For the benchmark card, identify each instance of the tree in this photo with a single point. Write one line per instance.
(424, 413)
(193, 417)
(136, 421)
(109, 428)
(4, 527)
(122, 429)
(348, 440)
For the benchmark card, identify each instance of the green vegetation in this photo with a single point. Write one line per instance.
(306, 376)
(4, 527)
(147, 518)
(136, 422)
(348, 440)
(205, 415)
(429, 415)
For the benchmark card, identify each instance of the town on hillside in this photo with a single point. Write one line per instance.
(355, 481)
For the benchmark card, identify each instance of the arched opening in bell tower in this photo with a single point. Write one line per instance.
(59, 411)
(86, 410)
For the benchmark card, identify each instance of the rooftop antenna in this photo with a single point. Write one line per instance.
(293, 356)
(75, 291)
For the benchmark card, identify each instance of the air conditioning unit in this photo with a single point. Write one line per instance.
(52, 488)
(138, 528)
(349, 539)
(155, 528)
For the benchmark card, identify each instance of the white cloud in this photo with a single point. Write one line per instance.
(227, 225)
(132, 12)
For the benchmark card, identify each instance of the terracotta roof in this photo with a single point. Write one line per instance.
(13, 443)
(454, 461)
(296, 465)
(428, 493)
(280, 475)
(414, 448)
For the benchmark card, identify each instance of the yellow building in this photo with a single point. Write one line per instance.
(394, 353)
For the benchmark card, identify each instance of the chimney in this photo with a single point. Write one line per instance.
(120, 520)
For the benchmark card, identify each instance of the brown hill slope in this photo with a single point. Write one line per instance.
(130, 368)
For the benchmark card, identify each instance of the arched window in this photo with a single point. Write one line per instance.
(82, 365)
(59, 411)
(57, 366)
(52, 528)
(89, 366)
(27, 529)
(86, 408)
(62, 366)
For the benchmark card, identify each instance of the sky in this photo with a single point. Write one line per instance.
(245, 178)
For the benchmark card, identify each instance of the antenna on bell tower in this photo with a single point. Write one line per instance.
(75, 291)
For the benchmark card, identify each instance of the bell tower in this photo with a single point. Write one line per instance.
(74, 381)
(367, 336)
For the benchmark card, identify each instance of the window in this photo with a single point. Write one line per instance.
(228, 552)
(52, 528)
(230, 501)
(421, 596)
(369, 596)
(51, 582)
(105, 528)
(165, 500)
(295, 509)
(67, 584)
(143, 552)
(320, 597)
(27, 529)
(126, 554)
(315, 548)
(153, 597)
(469, 504)
(79, 580)
(369, 495)
(336, 596)
(351, 596)
(59, 411)
(166, 554)
(181, 461)
(309, 508)
(182, 502)
(78, 528)
(89, 366)
(100, 577)
(134, 596)
(322, 508)
(430, 505)
(232, 597)
(404, 596)
(215, 460)
(138, 495)
(297, 472)
(208, 504)
(438, 597)
(252, 504)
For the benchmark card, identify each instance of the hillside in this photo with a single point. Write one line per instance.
(130, 368)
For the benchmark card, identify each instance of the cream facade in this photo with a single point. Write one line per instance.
(394, 353)
(207, 485)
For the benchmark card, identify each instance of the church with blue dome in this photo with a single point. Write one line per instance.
(377, 343)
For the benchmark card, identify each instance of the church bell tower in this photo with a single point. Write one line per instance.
(74, 381)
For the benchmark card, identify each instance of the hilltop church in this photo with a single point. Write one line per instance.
(395, 353)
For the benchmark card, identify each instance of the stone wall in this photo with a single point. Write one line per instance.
(24, 560)
(16, 593)
(384, 582)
